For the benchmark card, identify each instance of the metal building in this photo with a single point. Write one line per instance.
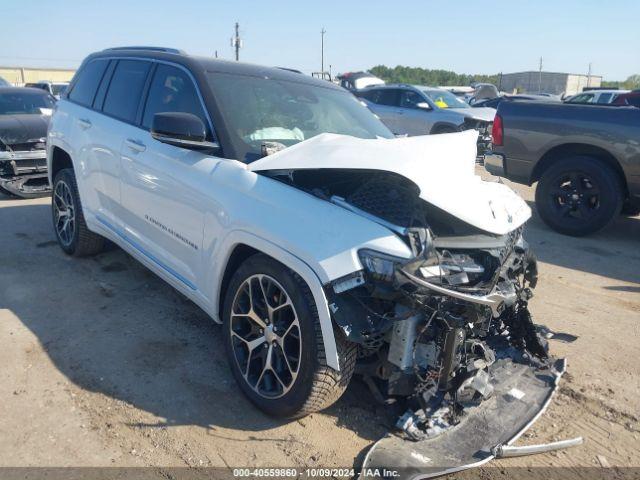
(547, 82)
(20, 75)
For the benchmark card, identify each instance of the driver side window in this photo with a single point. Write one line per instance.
(172, 90)
(409, 99)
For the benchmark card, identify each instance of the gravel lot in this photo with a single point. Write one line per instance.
(105, 365)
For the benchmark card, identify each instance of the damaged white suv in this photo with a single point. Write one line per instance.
(325, 246)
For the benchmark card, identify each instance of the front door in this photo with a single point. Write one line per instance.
(414, 120)
(162, 207)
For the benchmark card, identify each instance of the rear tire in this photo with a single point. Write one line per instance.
(579, 195)
(72, 233)
(277, 354)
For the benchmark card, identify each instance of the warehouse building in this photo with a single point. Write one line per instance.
(20, 75)
(547, 82)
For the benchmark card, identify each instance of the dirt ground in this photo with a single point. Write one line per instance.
(102, 364)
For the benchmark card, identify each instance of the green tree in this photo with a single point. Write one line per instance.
(424, 76)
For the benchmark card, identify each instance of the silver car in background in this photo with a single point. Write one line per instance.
(419, 110)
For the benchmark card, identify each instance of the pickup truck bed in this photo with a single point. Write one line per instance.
(586, 159)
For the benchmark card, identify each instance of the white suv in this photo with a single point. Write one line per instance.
(289, 213)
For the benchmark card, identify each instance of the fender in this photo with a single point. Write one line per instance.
(237, 237)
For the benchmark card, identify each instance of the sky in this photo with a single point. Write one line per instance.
(479, 36)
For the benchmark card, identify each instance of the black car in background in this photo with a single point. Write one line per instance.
(24, 118)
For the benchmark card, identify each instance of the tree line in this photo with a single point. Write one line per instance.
(424, 76)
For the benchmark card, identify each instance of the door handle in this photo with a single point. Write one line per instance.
(135, 145)
(84, 123)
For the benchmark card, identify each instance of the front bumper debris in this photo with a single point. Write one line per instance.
(24, 174)
(506, 451)
(521, 393)
(496, 301)
(27, 186)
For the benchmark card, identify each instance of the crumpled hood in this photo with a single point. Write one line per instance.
(486, 114)
(442, 166)
(23, 128)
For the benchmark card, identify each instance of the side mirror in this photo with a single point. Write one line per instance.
(182, 130)
(423, 106)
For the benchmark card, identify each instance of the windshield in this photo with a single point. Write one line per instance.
(25, 102)
(445, 99)
(258, 110)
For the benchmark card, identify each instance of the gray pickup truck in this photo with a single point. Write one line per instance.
(585, 158)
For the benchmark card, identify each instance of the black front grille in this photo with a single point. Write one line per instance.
(27, 146)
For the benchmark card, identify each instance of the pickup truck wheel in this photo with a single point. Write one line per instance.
(68, 221)
(274, 343)
(578, 196)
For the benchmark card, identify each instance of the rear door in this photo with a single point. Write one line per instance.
(386, 104)
(88, 134)
(118, 99)
(162, 205)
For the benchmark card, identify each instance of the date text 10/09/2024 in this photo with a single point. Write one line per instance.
(315, 473)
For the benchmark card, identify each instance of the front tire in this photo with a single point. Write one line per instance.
(274, 342)
(579, 195)
(72, 233)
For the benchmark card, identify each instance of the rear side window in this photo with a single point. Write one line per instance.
(604, 98)
(635, 101)
(390, 97)
(87, 83)
(371, 95)
(172, 90)
(125, 89)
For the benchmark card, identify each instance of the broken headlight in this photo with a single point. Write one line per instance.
(380, 265)
(451, 268)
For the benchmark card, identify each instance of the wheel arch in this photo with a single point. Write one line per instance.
(566, 150)
(240, 245)
(439, 126)
(60, 160)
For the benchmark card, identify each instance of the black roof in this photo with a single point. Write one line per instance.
(210, 64)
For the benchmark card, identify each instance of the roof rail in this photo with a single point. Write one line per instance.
(152, 49)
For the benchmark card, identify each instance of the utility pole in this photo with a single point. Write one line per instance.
(589, 76)
(322, 32)
(540, 77)
(236, 42)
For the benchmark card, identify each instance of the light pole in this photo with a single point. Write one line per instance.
(322, 32)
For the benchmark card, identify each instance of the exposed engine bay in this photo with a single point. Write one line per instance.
(435, 332)
(446, 333)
